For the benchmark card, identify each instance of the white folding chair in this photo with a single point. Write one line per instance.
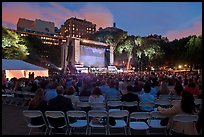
(83, 106)
(137, 122)
(149, 105)
(163, 103)
(84, 98)
(80, 120)
(98, 119)
(183, 118)
(154, 123)
(121, 119)
(114, 105)
(130, 106)
(174, 102)
(98, 106)
(56, 120)
(113, 98)
(30, 116)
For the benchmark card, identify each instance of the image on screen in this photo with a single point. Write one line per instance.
(91, 56)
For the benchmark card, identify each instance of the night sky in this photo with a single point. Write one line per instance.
(169, 19)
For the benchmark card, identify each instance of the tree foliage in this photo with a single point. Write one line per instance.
(13, 46)
(112, 36)
(194, 50)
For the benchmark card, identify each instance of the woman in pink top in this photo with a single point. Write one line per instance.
(192, 88)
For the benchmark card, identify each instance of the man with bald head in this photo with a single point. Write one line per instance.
(60, 103)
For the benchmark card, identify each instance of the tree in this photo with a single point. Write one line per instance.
(127, 46)
(110, 35)
(194, 50)
(152, 50)
(13, 46)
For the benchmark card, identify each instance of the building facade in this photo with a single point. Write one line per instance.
(38, 26)
(75, 27)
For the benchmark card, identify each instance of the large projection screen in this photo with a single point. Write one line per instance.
(91, 56)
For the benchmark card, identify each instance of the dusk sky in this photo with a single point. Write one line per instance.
(169, 19)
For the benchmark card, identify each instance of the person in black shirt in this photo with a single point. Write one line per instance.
(129, 97)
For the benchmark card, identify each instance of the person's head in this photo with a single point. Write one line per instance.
(178, 88)
(112, 83)
(147, 88)
(191, 83)
(60, 90)
(96, 91)
(129, 88)
(39, 96)
(187, 102)
(70, 91)
(39, 93)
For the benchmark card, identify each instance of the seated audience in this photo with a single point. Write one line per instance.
(186, 106)
(146, 97)
(38, 103)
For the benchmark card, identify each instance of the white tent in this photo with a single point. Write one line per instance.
(20, 69)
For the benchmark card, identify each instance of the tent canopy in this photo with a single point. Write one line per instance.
(13, 64)
(20, 69)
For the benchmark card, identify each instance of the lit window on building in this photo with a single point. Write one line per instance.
(87, 28)
(73, 25)
(73, 35)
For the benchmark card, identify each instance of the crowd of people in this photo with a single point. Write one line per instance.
(60, 92)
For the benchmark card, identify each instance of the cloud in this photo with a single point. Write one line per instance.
(196, 29)
(53, 12)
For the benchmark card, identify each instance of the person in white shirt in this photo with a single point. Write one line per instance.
(71, 93)
(96, 96)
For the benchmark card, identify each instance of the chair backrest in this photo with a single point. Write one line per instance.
(185, 118)
(157, 115)
(114, 104)
(198, 101)
(82, 104)
(146, 104)
(84, 98)
(113, 98)
(140, 115)
(164, 97)
(29, 114)
(130, 104)
(99, 106)
(162, 102)
(56, 115)
(118, 113)
(174, 102)
(32, 113)
(76, 113)
(97, 113)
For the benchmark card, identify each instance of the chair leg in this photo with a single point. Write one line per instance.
(125, 130)
(87, 130)
(30, 131)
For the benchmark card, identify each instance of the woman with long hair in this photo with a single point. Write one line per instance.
(38, 103)
(96, 96)
(186, 106)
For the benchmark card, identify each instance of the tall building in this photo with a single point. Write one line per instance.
(25, 25)
(38, 26)
(74, 27)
